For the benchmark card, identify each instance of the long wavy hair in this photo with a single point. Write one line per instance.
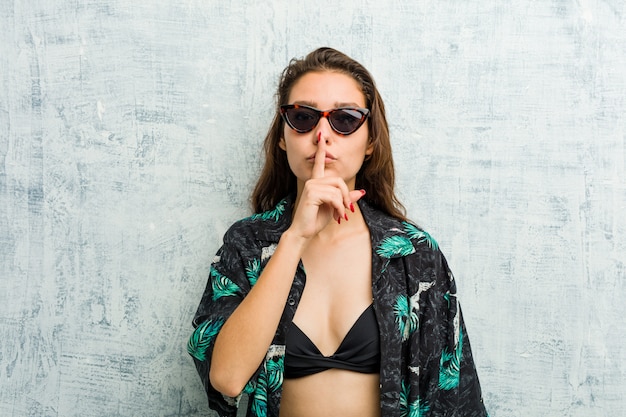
(376, 176)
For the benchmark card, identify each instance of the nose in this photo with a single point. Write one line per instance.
(323, 128)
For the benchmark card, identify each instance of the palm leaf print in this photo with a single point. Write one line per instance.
(274, 214)
(253, 270)
(450, 366)
(270, 378)
(202, 337)
(406, 318)
(275, 373)
(259, 399)
(395, 245)
(421, 236)
(250, 387)
(404, 399)
(414, 409)
(222, 286)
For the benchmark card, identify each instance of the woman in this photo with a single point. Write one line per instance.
(328, 302)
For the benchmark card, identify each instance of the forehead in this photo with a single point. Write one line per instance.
(327, 89)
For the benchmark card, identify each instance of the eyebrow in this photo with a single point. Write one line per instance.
(337, 104)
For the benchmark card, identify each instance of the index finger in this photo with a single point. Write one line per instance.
(320, 158)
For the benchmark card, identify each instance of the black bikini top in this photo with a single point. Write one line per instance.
(359, 351)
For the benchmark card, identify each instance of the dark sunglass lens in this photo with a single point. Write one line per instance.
(346, 120)
(302, 119)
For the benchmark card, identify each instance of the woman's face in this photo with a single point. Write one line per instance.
(344, 153)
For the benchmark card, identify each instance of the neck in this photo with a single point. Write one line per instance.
(335, 231)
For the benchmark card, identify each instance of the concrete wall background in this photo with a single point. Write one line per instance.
(129, 140)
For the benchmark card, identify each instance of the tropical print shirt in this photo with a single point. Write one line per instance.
(426, 367)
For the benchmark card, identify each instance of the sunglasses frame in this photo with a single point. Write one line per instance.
(323, 113)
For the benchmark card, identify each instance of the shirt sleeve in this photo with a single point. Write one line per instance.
(227, 285)
(448, 381)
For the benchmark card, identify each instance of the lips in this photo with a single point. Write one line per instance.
(329, 157)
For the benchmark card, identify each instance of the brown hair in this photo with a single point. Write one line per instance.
(376, 176)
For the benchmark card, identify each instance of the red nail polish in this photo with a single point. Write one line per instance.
(338, 220)
(352, 207)
(362, 193)
(319, 137)
(345, 216)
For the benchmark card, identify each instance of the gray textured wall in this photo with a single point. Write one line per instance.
(129, 139)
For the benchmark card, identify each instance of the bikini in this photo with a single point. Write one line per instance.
(359, 351)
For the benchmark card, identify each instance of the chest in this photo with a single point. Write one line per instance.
(338, 290)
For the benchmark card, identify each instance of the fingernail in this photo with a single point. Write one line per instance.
(352, 207)
(362, 193)
(338, 220)
(345, 216)
(319, 137)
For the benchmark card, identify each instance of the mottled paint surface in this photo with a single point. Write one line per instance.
(129, 140)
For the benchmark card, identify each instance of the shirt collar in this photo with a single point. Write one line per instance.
(383, 228)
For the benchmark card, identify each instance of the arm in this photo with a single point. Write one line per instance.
(231, 284)
(245, 337)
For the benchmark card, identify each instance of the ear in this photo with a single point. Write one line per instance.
(370, 147)
(282, 144)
